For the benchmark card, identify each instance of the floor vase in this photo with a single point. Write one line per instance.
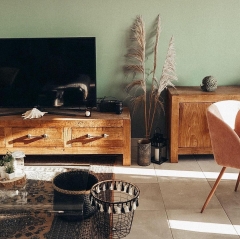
(144, 152)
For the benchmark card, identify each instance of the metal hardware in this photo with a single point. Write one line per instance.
(97, 136)
(29, 136)
(56, 211)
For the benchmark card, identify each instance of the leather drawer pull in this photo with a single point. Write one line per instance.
(29, 136)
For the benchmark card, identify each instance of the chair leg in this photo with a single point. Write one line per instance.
(213, 189)
(237, 183)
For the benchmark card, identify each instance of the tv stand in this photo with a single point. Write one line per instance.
(102, 133)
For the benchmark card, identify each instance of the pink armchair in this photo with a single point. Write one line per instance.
(223, 119)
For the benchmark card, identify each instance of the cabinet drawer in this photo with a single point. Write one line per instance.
(102, 136)
(37, 137)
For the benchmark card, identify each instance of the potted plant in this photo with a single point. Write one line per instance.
(10, 173)
(9, 165)
(145, 88)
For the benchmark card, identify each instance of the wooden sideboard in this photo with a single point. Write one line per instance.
(102, 133)
(187, 123)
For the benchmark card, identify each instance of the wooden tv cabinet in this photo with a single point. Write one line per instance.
(102, 133)
(188, 130)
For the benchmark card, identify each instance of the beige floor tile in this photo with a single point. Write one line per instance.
(185, 164)
(186, 193)
(150, 197)
(211, 224)
(135, 173)
(234, 216)
(148, 224)
(211, 169)
(226, 195)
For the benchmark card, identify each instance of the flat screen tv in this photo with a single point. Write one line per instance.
(48, 72)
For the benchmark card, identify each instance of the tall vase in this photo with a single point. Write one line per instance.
(144, 152)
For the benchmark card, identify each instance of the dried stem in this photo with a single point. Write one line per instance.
(137, 89)
(154, 81)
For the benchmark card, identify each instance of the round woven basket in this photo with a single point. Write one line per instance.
(116, 201)
(71, 194)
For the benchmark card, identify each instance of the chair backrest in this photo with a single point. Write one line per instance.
(222, 121)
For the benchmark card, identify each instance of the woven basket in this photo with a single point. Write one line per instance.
(71, 194)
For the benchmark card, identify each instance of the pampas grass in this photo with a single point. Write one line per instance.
(137, 90)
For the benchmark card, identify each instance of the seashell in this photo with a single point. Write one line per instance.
(33, 113)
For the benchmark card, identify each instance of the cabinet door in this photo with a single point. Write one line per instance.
(193, 129)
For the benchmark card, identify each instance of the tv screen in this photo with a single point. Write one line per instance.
(48, 72)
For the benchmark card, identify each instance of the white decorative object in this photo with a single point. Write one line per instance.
(2, 171)
(10, 175)
(34, 113)
(22, 196)
(18, 163)
(8, 193)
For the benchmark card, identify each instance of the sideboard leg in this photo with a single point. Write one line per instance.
(127, 142)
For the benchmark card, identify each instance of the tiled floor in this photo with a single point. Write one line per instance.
(172, 196)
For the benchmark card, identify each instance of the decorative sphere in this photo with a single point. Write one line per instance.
(209, 83)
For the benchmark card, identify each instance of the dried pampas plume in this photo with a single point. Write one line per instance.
(136, 58)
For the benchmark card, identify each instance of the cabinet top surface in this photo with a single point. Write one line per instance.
(73, 116)
(196, 90)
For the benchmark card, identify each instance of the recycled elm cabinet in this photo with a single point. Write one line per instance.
(187, 122)
(102, 133)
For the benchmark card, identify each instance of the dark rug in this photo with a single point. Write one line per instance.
(38, 223)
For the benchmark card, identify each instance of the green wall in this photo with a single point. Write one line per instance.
(206, 35)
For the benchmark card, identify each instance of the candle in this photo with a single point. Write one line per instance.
(157, 154)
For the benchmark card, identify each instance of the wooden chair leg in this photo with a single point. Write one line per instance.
(213, 189)
(237, 183)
